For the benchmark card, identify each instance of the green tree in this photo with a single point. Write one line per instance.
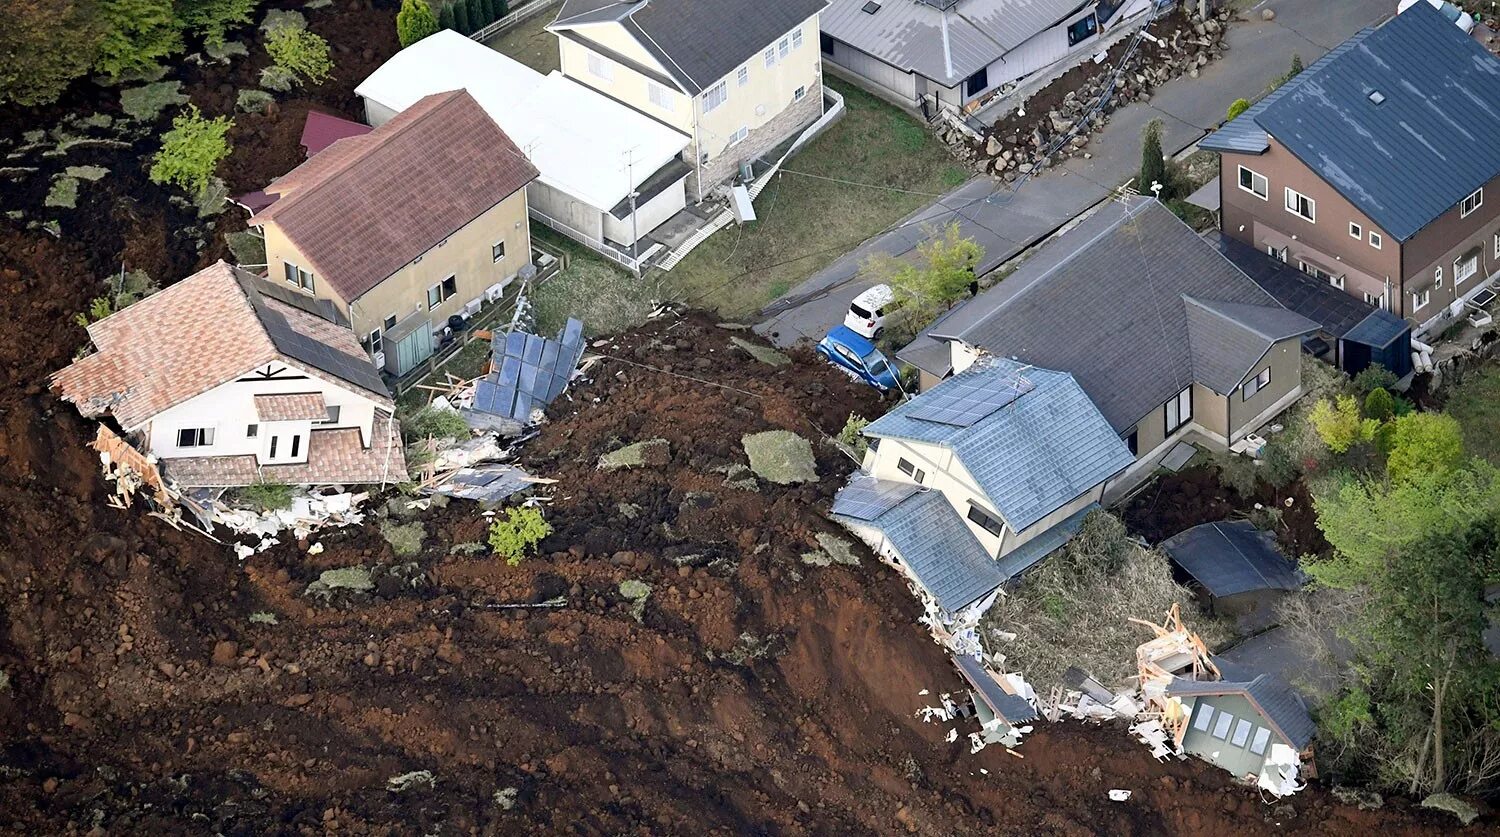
(135, 35)
(44, 45)
(1153, 163)
(211, 19)
(414, 22)
(445, 17)
(1237, 107)
(461, 16)
(516, 532)
(191, 150)
(1339, 425)
(1424, 446)
(942, 272)
(479, 13)
(302, 52)
(1380, 405)
(1296, 67)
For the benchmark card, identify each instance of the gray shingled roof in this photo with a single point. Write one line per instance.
(1280, 706)
(1013, 709)
(946, 46)
(938, 548)
(1413, 156)
(1106, 301)
(698, 42)
(1030, 457)
(1223, 335)
(1232, 557)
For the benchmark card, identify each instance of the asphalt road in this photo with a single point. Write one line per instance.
(1007, 221)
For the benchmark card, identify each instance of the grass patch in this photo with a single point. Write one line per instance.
(405, 538)
(606, 298)
(780, 456)
(471, 361)
(433, 422)
(1475, 404)
(805, 223)
(89, 173)
(266, 495)
(64, 193)
(761, 352)
(651, 452)
(530, 43)
(145, 103)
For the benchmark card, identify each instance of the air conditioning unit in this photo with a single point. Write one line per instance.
(472, 307)
(380, 360)
(494, 292)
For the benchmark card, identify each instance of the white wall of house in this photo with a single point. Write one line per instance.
(896, 84)
(563, 208)
(229, 409)
(648, 215)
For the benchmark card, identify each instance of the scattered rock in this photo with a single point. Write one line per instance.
(225, 653)
(408, 781)
(652, 453)
(780, 456)
(1465, 812)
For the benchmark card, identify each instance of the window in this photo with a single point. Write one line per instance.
(744, 76)
(1336, 281)
(1241, 733)
(497, 251)
(1376, 240)
(716, 95)
(910, 470)
(1369, 298)
(977, 83)
(390, 322)
(1204, 717)
(1465, 266)
(986, 521)
(1301, 205)
(271, 454)
(1255, 183)
(739, 135)
(1497, 245)
(600, 67)
(784, 48)
(1355, 231)
(1221, 729)
(298, 277)
(1133, 441)
(1437, 276)
(195, 437)
(251, 431)
(1472, 202)
(1419, 300)
(333, 414)
(770, 57)
(434, 297)
(1082, 30)
(376, 341)
(1259, 742)
(296, 444)
(797, 39)
(662, 97)
(798, 94)
(1276, 252)
(1179, 410)
(1256, 384)
(450, 287)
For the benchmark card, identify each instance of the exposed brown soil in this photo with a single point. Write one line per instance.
(1174, 502)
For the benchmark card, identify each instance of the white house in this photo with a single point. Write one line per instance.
(230, 380)
(609, 175)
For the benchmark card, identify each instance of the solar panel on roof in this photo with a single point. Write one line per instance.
(533, 352)
(515, 343)
(510, 372)
(964, 403)
(866, 498)
(486, 396)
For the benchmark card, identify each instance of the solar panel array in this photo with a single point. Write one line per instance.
(965, 403)
(529, 372)
(356, 369)
(867, 498)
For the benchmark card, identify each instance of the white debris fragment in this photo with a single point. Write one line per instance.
(315, 549)
(307, 513)
(952, 736)
(1279, 772)
(1118, 795)
(925, 692)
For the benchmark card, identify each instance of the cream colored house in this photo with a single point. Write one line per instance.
(977, 479)
(402, 228)
(738, 78)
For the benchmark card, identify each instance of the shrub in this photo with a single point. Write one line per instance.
(253, 101)
(1374, 377)
(435, 423)
(514, 534)
(147, 102)
(445, 17)
(267, 496)
(211, 18)
(277, 78)
(137, 34)
(461, 16)
(191, 150)
(302, 52)
(853, 435)
(1237, 107)
(1380, 405)
(1424, 445)
(405, 539)
(1339, 424)
(282, 19)
(414, 22)
(1153, 163)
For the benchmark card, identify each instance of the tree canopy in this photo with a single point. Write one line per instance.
(415, 21)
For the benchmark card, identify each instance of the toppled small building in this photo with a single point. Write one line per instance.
(1236, 568)
(527, 373)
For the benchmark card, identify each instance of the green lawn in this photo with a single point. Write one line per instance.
(530, 43)
(605, 297)
(805, 223)
(1476, 406)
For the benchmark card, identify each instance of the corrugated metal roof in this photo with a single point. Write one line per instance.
(938, 548)
(1105, 302)
(947, 46)
(1277, 702)
(1042, 450)
(1232, 557)
(1425, 145)
(1380, 329)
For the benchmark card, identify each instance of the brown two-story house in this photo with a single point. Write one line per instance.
(1377, 169)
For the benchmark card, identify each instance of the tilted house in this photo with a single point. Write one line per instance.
(402, 228)
(230, 380)
(1249, 727)
(1165, 335)
(1370, 168)
(977, 479)
(954, 54)
(737, 78)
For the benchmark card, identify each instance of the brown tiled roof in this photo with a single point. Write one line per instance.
(333, 456)
(366, 206)
(194, 336)
(297, 406)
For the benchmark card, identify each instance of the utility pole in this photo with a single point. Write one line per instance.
(635, 235)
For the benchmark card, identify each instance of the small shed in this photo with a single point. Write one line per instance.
(1238, 569)
(1380, 339)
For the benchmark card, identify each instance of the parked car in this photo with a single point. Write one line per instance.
(859, 358)
(867, 313)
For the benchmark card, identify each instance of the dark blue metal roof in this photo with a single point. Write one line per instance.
(1403, 124)
(1232, 557)
(1379, 329)
(1013, 709)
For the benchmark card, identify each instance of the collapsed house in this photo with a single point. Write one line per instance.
(1236, 569)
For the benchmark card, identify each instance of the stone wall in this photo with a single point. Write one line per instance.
(762, 139)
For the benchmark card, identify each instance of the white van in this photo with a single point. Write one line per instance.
(868, 311)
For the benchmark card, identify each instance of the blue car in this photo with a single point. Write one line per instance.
(858, 357)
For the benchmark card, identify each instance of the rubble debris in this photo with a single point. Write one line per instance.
(636, 592)
(309, 511)
(527, 373)
(780, 456)
(506, 798)
(1118, 795)
(414, 779)
(653, 453)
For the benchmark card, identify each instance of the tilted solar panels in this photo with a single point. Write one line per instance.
(866, 498)
(529, 372)
(964, 403)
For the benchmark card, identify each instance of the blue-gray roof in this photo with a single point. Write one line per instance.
(1380, 328)
(1232, 557)
(938, 548)
(1334, 310)
(529, 372)
(1026, 556)
(1043, 449)
(1278, 704)
(1013, 709)
(1429, 140)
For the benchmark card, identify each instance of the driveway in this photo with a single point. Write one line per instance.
(1007, 221)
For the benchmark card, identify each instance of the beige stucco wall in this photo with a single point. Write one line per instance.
(465, 254)
(1285, 363)
(944, 473)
